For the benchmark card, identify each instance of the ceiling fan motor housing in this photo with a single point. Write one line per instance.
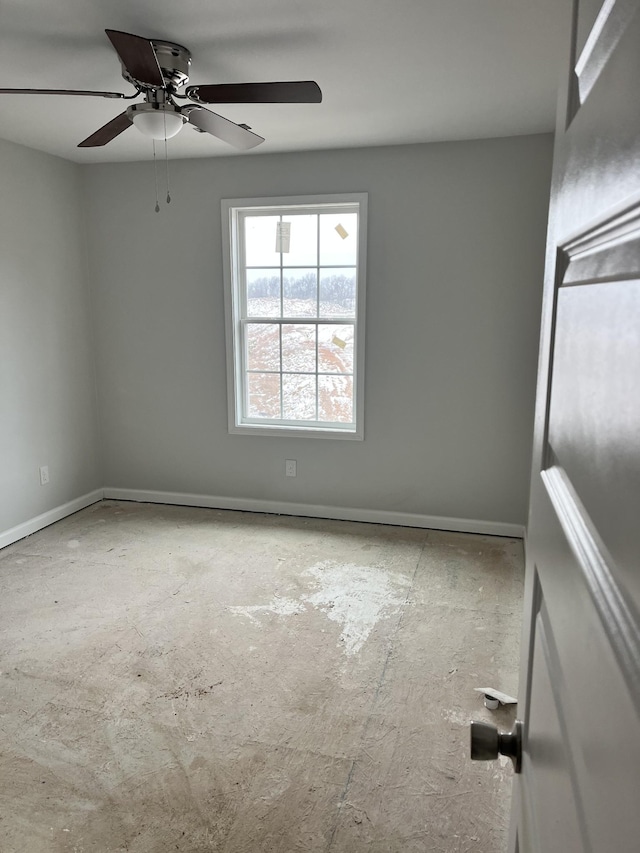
(174, 61)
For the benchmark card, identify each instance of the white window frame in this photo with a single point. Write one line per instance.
(233, 211)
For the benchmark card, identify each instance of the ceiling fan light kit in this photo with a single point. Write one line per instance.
(158, 69)
(157, 121)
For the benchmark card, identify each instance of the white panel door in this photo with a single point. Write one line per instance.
(579, 789)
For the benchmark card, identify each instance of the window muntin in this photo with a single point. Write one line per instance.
(295, 315)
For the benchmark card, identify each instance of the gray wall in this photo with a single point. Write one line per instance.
(455, 266)
(47, 381)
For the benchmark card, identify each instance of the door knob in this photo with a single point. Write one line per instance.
(487, 743)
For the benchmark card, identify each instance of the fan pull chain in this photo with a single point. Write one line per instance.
(166, 156)
(155, 174)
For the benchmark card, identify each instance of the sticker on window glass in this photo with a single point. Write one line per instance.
(338, 342)
(283, 236)
(342, 231)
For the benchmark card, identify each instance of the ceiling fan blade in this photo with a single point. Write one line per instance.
(209, 122)
(107, 132)
(65, 92)
(295, 92)
(138, 56)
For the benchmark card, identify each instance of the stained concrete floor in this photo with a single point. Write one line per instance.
(198, 680)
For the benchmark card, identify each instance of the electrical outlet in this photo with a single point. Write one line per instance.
(44, 475)
(290, 467)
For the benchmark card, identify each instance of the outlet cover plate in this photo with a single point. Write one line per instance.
(290, 468)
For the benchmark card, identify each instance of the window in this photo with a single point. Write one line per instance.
(294, 297)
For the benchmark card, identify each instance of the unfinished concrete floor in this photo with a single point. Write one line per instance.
(198, 680)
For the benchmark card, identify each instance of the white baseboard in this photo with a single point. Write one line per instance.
(402, 519)
(373, 516)
(56, 514)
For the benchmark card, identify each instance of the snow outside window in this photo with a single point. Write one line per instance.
(294, 294)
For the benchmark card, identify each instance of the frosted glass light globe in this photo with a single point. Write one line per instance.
(158, 123)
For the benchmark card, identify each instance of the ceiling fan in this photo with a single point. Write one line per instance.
(157, 69)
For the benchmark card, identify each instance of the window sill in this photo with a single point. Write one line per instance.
(295, 432)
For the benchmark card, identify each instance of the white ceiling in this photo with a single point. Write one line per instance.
(391, 72)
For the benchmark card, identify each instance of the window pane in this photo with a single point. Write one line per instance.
(300, 293)
(298, 397)
(335, 349)
(338, 292)
(294, 317)
(263, 293)
(303, 243)
(260, 241)
(335, 248)
(299, 349)
(264, 395)
(335, 399)
(263, 346)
